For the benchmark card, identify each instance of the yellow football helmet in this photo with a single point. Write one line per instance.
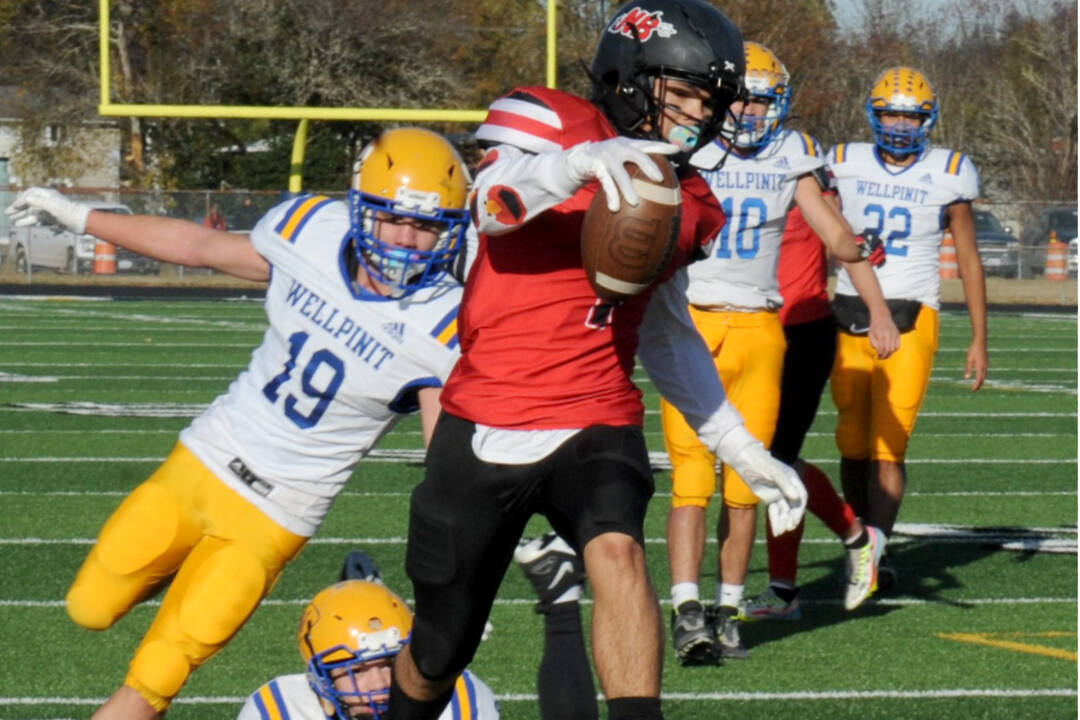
(767, 79)
(346, 625)
(902, 90)
(411, 173)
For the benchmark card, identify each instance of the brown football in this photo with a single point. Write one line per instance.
(623, 252)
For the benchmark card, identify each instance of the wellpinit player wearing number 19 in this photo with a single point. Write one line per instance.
(362, 329)
(540, 414)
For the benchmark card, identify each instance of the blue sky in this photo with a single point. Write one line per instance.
(848, 11)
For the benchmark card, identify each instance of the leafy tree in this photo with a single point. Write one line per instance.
(1005, 76)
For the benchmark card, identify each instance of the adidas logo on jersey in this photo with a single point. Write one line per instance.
(927, 178)
(783, 163)
(396, 330)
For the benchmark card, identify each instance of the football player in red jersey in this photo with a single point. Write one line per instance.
(540, 414)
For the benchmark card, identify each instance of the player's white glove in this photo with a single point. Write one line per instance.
(775, 483)
(603, 161)
(48, 206)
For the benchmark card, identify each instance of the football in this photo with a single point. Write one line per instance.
(623, 252)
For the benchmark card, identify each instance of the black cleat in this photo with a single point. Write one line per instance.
(693, 638)
(725, 625)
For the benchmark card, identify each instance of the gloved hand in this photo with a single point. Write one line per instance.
(775, 483)
(48, 206)
(603, 161)
(871, 247)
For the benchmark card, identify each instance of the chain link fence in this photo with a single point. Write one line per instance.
(1013, 237)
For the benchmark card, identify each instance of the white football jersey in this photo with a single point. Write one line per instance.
(335, 371)
(756, 194)
(289, 697)
(906, 206)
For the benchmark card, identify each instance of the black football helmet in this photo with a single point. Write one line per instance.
(650, 40)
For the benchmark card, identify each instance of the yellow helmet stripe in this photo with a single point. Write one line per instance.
(298, 215)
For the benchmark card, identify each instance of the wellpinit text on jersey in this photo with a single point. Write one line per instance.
(746, 180)
(889, 191)
(338, 325)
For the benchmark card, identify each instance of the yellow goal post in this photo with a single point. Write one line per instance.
(304, 114)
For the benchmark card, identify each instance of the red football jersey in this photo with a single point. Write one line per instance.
(802, 273)
(539, 350)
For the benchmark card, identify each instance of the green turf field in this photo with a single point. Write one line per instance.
(983, 624)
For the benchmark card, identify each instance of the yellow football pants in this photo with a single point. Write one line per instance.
(225, 554)
(748, 349)
(878, 400)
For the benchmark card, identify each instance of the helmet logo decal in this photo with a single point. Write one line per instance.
(642, 24)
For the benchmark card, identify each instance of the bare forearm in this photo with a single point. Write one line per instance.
(866, 284)
(974, 282)
(181, 242)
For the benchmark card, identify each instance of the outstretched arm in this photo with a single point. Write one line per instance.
(165, 239)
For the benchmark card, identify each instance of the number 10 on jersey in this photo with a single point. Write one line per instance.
(751, 216)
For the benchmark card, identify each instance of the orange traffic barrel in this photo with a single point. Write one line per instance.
(104, 258)
(947, 258)
(1057, 258)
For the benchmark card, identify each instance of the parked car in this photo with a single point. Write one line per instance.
(46, 246)
(1062, 220)
(998, 247)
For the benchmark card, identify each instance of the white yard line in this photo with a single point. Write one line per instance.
(403, 494)
(1036, 538)
(659, 460)
(667, 696)
(530, 601)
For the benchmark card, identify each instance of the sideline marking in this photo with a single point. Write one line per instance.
(995, 640)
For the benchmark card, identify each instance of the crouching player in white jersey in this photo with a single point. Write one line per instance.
(734, 297)
(362, 329)
(349, 634)
(910, 194)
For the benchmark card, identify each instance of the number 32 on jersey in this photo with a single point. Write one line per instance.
(893, 224)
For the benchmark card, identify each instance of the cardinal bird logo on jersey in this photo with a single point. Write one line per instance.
(505, 205)
(642, 24)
